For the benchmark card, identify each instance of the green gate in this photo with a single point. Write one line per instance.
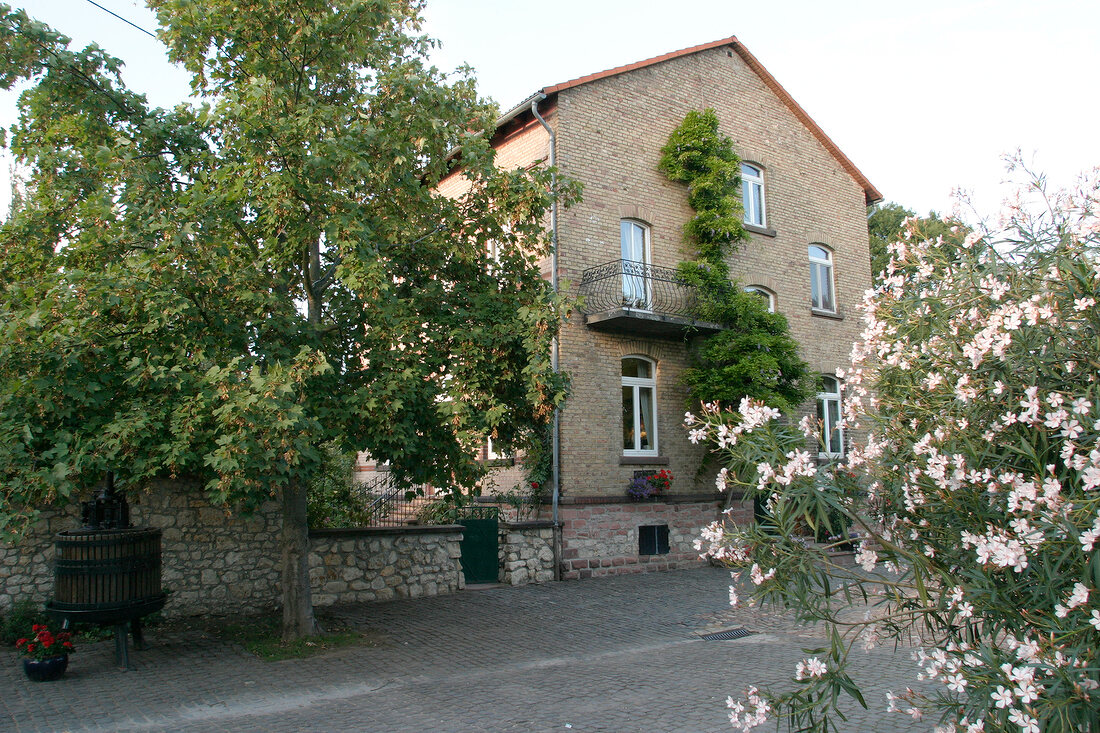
(480, 544)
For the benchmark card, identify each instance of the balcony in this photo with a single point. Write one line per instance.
(623, 296)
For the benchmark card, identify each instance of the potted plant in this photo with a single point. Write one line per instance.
(650, 486)
(45, 655)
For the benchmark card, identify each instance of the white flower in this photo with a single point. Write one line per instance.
(1002, 697)
(866, 558)
(815, 667)
(1079, 596)
(759, 577)
(1027, 723)
(956, 682)
(1090, 478)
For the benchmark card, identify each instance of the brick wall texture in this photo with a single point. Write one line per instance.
(609, 135)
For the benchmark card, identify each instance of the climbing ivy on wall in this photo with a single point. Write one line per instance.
(755, 356)
(702, 157)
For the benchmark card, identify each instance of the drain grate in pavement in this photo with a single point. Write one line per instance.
(730, 634)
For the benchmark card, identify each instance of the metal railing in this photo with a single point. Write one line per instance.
(636, 285)
(386, 503)
(379, 495)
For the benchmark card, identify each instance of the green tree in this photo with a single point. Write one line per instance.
(755, 356)
(220, 289)
(886, 224)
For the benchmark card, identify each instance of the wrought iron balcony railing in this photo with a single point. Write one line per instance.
(629, 284)
(624, 295)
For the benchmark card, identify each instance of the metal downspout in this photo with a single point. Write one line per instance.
(555, 470)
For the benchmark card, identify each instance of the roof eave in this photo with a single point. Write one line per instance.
(871, 194)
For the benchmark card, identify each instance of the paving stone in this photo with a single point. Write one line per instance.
(619, 653)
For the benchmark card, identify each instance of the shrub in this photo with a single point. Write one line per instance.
(23, 615)
(333, 500)
(976, 490)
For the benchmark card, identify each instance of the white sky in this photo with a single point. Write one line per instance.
(924, 96)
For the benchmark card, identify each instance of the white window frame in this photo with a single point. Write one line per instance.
(822, 290)
(636, 385)
(637, 290)
(492, 252)
(760, 290)
(752, 195)
(830, 419)
(491, 454)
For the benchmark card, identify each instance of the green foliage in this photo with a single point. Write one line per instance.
(17, 621)
(886, 223)
(702, 157)
(444, 510)
(525, 501)
(154, 270)
(755, 357)
(974, 492)
(333, 500)
(218, 290)
(538, 457)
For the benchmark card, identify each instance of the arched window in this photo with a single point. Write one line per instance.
(828, 413)
(752, 194)
(634, 241)
(821, 279)
(764, 294)
(639, 407)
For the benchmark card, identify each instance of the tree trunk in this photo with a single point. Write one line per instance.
(298, 620)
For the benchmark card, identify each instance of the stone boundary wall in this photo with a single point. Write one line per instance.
(526, 552)
(601, 538)
(213, 563)
(220, 564)
(356, 565)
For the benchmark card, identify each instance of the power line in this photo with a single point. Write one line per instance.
(135, 25)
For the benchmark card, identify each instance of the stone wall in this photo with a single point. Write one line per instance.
(355, 565)
(215, 563)
(526, 552)
(601, 538)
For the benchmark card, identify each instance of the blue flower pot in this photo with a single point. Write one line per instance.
(46, 670)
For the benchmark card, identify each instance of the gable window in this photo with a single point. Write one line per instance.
(752, 195)
(764, 294)
(821, 279)
(828, 415)
(639, 407)
(634, 241)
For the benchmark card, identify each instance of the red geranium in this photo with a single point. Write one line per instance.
(44, 644)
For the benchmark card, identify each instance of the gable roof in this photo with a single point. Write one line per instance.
(871, 193)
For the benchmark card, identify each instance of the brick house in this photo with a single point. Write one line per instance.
(625, 347)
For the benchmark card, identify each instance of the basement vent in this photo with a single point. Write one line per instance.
(730, 634)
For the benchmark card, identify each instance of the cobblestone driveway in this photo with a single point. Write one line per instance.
(609, 654)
